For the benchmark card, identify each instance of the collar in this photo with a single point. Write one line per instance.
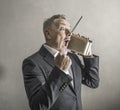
(53, 51)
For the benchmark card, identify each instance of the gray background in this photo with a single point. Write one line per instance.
(21, 35)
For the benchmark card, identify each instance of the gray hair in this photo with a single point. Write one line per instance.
(47, 23)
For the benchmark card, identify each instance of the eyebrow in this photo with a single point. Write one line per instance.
(64, 24)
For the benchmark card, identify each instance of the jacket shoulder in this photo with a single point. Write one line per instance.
(35, 57)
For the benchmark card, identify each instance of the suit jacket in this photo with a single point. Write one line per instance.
(49, 88)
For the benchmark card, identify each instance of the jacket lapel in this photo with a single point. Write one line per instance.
(47, 56)
(75, 75)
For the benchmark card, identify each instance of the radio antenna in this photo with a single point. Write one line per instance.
(77, 23)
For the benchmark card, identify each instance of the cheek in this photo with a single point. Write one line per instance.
(60, 36)
(58, 39)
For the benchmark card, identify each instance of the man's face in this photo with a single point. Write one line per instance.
(59, 34)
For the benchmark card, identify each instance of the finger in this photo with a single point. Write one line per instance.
(68, 60)
(75, 52)
(66, 63)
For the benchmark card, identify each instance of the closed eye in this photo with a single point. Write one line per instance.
(62, 29)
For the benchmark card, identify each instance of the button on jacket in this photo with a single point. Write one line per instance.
(49, 88)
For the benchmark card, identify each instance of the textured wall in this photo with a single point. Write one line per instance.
(21, 35)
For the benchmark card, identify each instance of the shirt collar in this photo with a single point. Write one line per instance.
(53, 51)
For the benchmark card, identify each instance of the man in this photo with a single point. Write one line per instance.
(53, 76)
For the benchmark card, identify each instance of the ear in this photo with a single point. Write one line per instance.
(47, 34)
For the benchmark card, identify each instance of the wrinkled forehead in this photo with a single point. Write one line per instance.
(59, 22)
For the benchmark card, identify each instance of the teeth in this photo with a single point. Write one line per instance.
(67, 40)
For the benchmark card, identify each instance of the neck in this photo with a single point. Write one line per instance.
(52, 46)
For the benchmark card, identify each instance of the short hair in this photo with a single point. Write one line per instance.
(48, 22)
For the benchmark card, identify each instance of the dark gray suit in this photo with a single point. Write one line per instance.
(49, 88)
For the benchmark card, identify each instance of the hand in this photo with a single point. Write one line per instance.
(89, 54)
(63, 62)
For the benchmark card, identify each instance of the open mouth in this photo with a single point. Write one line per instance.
(66, 41)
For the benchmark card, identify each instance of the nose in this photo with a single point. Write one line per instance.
(68, 33)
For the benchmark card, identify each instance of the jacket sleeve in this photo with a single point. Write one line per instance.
(90, 72)
(43, 92)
